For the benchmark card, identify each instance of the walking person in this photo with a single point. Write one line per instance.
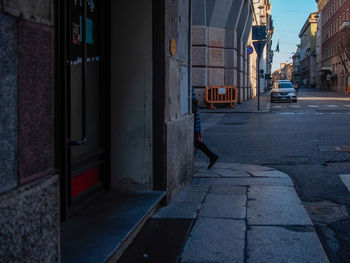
(197, 133)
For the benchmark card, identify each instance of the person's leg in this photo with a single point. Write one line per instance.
(212, 156)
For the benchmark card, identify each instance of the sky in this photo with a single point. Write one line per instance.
(288, 19)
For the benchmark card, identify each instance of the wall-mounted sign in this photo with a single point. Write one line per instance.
(250, 50)
(259, 32)
(172, 47)
(222, 91)
(259, 47)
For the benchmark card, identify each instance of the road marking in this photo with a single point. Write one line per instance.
(295, 106)
(332, 106)
(346, 180)
(276, 107)
(286, 113)
(347, 105)
(313, 106)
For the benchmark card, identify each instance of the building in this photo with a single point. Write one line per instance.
(319, 83)
(296, 65)
(307, 59)
(263, 10)
(285, 72)
(334, 63)
(220, 31)
(95, 114)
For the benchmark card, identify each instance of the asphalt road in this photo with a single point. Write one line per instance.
(310, 141)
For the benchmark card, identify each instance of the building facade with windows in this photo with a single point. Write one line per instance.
(333, 70)
(307, 53)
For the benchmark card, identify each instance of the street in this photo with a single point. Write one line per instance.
(307, 140)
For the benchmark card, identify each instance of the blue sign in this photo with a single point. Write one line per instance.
(250, 50)
(259, 32)
(259, 47)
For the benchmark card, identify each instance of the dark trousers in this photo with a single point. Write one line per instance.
(201, 146)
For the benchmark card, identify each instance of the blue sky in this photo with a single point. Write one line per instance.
(288, 18)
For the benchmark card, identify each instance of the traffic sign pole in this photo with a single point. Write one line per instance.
(258, 81)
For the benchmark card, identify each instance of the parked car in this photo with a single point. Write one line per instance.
(283, 90)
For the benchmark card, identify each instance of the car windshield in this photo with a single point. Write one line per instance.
(285, 85)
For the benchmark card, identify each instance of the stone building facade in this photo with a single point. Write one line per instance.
(333, 73)
(89, 109)
(307, 54)
(220, 31)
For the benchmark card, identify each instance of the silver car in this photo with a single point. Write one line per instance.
(283, 90)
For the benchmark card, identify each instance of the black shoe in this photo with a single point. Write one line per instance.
(212, 161)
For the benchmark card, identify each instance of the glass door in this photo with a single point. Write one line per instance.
(86, 101)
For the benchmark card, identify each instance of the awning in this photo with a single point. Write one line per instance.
(326, 69)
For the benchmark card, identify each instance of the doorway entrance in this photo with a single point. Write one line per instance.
(85, 120)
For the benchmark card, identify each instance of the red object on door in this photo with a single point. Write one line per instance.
(85, 180)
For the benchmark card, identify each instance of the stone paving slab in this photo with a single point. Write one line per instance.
(193, 187)
(275, 206)
(346, 180)
(275, 244)
(244, 181)
(178, 210)
(224, 206)
(220, 172)
(189, 197)
(249, 167)
(276, 174)
(231, 197)
(228, 190)
(215, 240)
(203, 174)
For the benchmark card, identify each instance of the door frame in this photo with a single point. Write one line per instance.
(158, 97)
(62, 82)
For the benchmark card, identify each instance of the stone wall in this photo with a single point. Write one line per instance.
(218, 57)
(178, 120)
(29, 199)
(27, 86)
(180, 154)
(30, 222)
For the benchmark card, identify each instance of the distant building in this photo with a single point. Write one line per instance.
(307, 55)
(287, 71)
(284, 72)
(296, 66)
(334, 68)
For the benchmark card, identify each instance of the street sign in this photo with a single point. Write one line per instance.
(250, 50)
(259, 47)
(259, 33)
(222, 91)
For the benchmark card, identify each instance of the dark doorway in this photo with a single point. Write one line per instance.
(83, 108)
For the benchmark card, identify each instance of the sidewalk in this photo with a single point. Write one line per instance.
(249, 106)
(244, 213)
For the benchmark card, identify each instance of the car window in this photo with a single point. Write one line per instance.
(285, 85)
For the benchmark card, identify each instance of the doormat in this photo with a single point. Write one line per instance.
(160, 240)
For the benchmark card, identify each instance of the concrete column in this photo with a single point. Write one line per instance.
(240, 27)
